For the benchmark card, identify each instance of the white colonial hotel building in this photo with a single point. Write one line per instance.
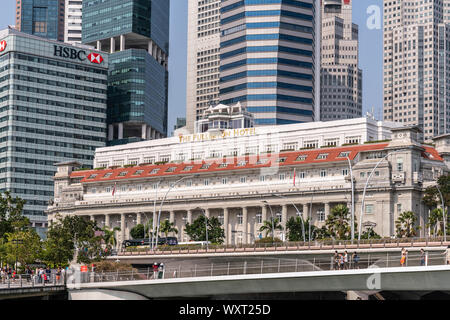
(242, 175)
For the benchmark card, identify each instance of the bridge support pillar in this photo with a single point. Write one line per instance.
(245, 225)
(226, 227)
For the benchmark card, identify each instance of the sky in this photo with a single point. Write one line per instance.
(370, 54)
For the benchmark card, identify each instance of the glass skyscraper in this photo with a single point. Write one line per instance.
(52, 109)
(267, 59)
(136, 34)
(44, 18)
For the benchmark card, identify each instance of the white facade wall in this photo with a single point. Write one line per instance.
(73, 20)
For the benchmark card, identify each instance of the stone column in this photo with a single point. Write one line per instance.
(327, 209)
(138, 218)
(150, 47)
(263, 213)
(306, 211)
(92, 217)
(245, 225)
(189, 216)
(112, 45)
(120, 131)
(107, 223)
(208, 213)
(110, 132)
(122, 42)
(284, 209)
(225, 226)
(144, 131)
(99, 45)
(172, 216)
(149, 133)
(122, 228)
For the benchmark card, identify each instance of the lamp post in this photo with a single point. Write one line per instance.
(154, 222)
(271, 213)
(162, 202)
(17, 242)
(206, 225)
(298, 212)
(364, 193)
(443, 211)
(353, 199)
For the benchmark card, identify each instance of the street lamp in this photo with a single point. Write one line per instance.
(364, 193)
(298, 212)
(353, 199)
(206, 225)
(162, 202)
(154, 222)
(443, 211)
(271, 213)
(17, 242)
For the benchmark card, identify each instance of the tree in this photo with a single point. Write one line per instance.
(370, 234)
(338, 222)
(70, 233)
(11, 217)
(404, 225)
(197, 230)
(270, 227)
(166, 227)
(137, 232)
(26, 252)
(109, 237)
(294, 229)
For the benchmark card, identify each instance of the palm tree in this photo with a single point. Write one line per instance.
(270, 227)
(109, 236)
(167, 226)
(435, 221)
(404, 225)
(337, 222)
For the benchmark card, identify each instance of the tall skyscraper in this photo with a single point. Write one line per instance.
(44, 18)
(72, 21)
(203, 58)
(341, 79)
(417, 64)
(136, 33)
(52, 109)
(267, 59)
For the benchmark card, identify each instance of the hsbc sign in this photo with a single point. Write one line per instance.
(3, 45)
(74, 54)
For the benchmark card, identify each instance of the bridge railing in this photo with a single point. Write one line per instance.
(31, 281)
(290, 246)
(270, 265)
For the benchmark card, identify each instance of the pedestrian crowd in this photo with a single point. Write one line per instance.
(158, 270)
(38, 276)
(342, 261)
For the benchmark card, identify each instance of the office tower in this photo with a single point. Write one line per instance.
(44, 18)
(341, 79)
(203, 58)
(73, 20)
(416, 65)
(52, 109)
(268, 59)
(136, 34)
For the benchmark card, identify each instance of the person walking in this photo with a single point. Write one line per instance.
(422, 257)
(355, 259)
(346, 260)
(336, 261)
(58, 274)
(447, 255)
(403, 257)
(155, 270)
(341, 261)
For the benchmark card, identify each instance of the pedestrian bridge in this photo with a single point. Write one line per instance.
(372, 279)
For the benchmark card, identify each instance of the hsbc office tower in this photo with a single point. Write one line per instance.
(52, 109)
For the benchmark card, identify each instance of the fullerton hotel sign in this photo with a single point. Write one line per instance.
(233, 133)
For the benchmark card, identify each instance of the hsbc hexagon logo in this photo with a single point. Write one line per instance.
(3, 45)
(95, 58)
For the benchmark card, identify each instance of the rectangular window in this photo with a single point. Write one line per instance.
(259, 218)
(311, 144)
(262, 178)
(344, 154)
(206, 182)
(149, 160)
(323, 173)
(321, 215)
(189, 183)
(122, 174)
(205, 166)
(281, 160)
(301, 157)
(107, 175)
(223, 165)
(290, 146)
(399, 208)
(224, 180)
(188, 168)
(92, 176)
(138, 173)
(400, 164)
(154, 171)
(171, 169)
(353, 140)
(322, 156)
(133, 162)
(243, 179)
(302, 174)
(240, 218)
(165, 158)
(369, 208)
(282, 176)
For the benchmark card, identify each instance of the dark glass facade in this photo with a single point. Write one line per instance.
(44, 18)
(136, 34)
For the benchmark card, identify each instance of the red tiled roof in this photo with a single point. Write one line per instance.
(291, 157)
